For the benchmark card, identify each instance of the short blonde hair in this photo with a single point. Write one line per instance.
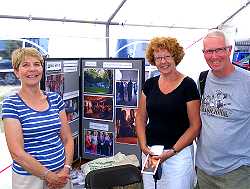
(18, 56)
(169, 43)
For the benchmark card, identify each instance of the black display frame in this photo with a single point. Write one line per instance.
(65, 72)
(101, 125)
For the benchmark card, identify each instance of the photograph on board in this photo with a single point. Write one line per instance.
(98, 107)
(98, 142)
(72, 108)
(98, 81)
(55, 83)
(76, 148)
(126, 85)
(125, 125)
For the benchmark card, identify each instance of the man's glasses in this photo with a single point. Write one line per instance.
(217, 51)
(160, 58)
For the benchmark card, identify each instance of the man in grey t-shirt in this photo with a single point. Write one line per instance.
(223, 148)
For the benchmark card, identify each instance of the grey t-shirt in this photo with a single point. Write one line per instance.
(224, 143)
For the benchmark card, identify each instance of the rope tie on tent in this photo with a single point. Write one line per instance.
(5, 168)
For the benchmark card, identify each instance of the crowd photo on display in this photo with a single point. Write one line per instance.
(98, 142)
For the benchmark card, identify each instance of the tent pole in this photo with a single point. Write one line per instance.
(108, 23)
(234, 14)
(30, 18)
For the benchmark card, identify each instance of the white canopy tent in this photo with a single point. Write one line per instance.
(90, 28)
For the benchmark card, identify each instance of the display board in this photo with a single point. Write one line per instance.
(62, 76)
(110, 89)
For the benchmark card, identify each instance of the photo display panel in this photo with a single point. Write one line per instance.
(62, 76)
(110, 89)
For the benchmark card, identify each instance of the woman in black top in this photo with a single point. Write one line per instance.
(168, 115)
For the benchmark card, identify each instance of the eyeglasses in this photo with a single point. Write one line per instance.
(160, 58)
(217, 51)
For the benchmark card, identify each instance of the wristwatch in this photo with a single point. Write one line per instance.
(174, 150)
(68, 166)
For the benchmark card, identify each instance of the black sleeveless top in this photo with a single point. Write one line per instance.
(167, 113)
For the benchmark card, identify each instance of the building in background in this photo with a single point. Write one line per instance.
(241, 56)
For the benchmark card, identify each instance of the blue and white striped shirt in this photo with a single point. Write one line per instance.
(41, 130)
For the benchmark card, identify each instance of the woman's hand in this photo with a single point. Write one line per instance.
(64, 173)
(146, 150)
(57, 180)
(166, 154)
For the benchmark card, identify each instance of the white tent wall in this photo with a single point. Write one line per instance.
(70, 47)
(78, 40)
(79, 28)
(70, 36)
(191, 39)
(87, 40)
(193, 61)
(61, 9)
(241, 23)
(177, 13)
(65, 39)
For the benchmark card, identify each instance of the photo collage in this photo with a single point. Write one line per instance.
(58, 75)
(110, 95)
(101, 98)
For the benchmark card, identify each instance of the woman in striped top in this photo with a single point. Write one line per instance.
(37, 133)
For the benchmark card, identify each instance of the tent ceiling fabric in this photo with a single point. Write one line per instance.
(75, 9)
(178, 13)
(78, 28)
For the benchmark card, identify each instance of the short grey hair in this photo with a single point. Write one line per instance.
(218, 33)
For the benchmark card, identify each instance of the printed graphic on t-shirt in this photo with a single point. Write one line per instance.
(216, 104)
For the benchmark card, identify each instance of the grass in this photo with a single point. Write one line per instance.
(96, 90)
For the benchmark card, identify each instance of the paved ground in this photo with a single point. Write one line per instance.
(5, 176)
(5, 158)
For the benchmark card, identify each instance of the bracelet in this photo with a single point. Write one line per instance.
(68, 166)
(174, 150)
(45, 174)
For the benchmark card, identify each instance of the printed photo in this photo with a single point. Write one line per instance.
(98, 80)
(72, 108)
(98, 107)
(76, 148)
(125, 126)
(126, 82)
(55, 83)
(150, 165)
(98, 142)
